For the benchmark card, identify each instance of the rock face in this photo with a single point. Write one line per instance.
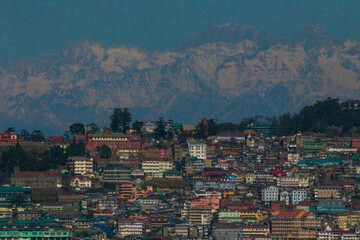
(224, 72)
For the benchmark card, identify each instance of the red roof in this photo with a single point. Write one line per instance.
(297, 213)
(278, 172)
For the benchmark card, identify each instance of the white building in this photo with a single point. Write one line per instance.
(81, 165)
(298, 195)
(197, 148)
(130, 227)
(270, 194)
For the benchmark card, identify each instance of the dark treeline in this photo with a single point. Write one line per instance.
(329, 116)
(16, 156)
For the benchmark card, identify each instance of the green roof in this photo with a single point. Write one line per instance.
(312, 143)
(312, 148)
(321, 162)
(26, 221)
(13, 189)
(4, 219)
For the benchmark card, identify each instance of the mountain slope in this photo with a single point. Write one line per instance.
(227, 78)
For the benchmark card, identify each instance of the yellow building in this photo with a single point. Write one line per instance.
(208, 163)
(341, 221)
(5, 212)
(238, 216)
(304, 181)
(252, 230)
(156, 168)
(327, 192)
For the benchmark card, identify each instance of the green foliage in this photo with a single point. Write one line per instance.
(76, 149)
(11, 129)
(137, 125)
(37, 136)
(213, 127)
(31, 161)
(120, 120)
(67, 135)
(160, 131)
(322, 117)
(201, 131)
(25, 135)
(105, 151)
(77, 128)
(58, 155)
(109, 186)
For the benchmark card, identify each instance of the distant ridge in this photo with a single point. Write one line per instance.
(224, 72)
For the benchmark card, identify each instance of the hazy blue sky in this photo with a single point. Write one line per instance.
(29, 28)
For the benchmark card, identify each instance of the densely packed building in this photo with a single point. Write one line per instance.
(231, 185)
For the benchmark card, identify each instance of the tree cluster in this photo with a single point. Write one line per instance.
(329, 116)
(120, 120)
(16, 156)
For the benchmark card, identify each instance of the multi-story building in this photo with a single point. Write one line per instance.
(226, 231)
(341, 220)
(200, 211)
(118, 142)
(212, 202)
(200, 216)
(6, 213)
(287, 182)
(180, 231)
(36, 234)
(337, 235)
(197, 148)
(293, 158)
(81, 165)
(352, 150)
(295, 224)
(270, 194)
(331, 206)
(37, 179)
(298, 195)
(254, 231)
(156, 168)
(323, 192)
(203, 184)
(156, 153)
(18, 196)
(249, 216)
(133, 227)
(115, 173)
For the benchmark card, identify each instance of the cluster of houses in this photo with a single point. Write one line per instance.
(233, 185)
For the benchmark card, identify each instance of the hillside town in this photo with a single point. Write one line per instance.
(162, 180)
